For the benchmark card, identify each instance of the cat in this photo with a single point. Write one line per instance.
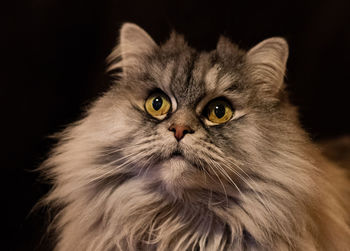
(193, 150)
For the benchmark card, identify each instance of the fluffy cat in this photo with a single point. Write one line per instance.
(194, 150)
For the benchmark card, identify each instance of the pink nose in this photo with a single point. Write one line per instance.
(180, 131)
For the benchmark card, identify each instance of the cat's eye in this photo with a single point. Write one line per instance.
(158, 105)
(219, 111)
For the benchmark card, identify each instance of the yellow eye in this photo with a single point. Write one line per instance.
(158, 105)
(219, 111)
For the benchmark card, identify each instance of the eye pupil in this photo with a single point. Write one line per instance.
(219, 110)
(157, 103)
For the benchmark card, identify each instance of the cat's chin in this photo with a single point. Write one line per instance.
(177, 174)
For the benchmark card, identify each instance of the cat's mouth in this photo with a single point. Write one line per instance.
(178, 155)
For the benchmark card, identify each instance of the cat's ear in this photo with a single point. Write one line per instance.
(134, 43)
(134, 40)
(267, 63)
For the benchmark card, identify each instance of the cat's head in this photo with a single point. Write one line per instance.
(187, 120)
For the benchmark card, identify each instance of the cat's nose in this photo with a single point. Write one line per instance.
(180, 131)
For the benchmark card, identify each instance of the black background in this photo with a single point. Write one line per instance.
(52, 66)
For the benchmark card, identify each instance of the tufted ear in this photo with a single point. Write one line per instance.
(267, 62)
(134, 43)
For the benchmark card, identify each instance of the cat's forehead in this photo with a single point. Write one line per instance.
(191, 75)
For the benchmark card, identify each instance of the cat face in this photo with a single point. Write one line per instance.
(188, 120)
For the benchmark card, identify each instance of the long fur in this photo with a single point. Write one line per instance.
(254, 183)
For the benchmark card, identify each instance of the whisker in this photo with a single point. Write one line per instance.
(131, 158)
(228, 178)
(258, 196)
(219, 154)
(131, 146)
(222, 184)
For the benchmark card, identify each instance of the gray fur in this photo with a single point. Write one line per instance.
(254, 183)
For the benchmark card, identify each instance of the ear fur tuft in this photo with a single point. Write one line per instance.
(267, 60)
(134, 43)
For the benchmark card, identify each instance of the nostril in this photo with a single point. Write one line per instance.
(172, 129)
(187, 131)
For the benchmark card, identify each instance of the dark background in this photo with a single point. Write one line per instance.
(52, 66)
